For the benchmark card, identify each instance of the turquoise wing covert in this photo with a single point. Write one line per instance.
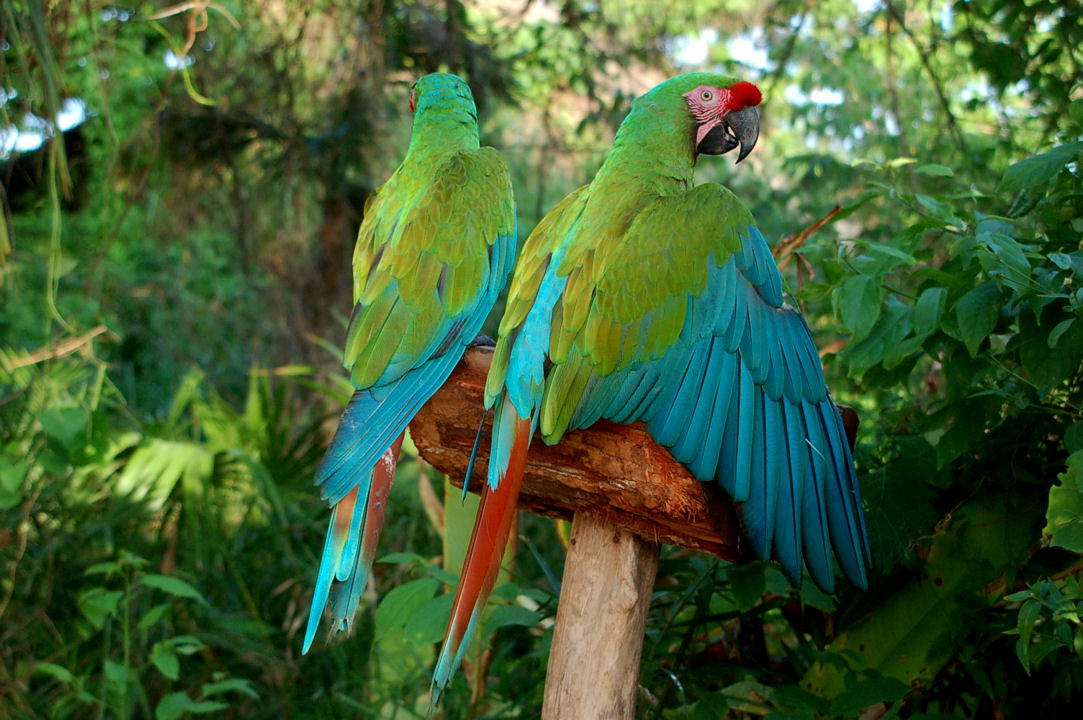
(696, 340)
(423, 284)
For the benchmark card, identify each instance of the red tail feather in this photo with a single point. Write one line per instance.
(482, 565)
(382, 475)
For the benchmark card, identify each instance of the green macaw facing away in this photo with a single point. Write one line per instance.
(433, 253)
(643, 297)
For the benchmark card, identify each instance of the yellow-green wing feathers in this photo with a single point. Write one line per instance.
(626, 299)
(422, 257)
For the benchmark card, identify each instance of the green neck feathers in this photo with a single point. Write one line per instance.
(446, 119)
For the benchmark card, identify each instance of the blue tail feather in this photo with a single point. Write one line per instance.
(791, 491)
(323, 585)
(348, 561)
(844, 510)
(817, 544)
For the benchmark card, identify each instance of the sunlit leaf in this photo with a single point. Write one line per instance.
(935, 169)
(56, 671)
(11, 482)
(1039, 168)
(1064, 515)
(172, 585)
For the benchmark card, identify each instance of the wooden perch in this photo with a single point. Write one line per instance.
(615, 472)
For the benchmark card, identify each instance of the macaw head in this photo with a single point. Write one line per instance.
(440, 90)
(723, 112)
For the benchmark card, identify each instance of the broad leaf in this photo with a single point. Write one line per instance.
(1064, 514)
(976, 314)
(858, 303)
(173, 586)
(1039, 169)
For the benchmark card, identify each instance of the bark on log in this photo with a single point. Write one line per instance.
(615, 472)
(598, 640)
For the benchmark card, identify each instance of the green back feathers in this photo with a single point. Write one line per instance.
(423, 251)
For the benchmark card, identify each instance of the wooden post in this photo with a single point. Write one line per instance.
(598, 641)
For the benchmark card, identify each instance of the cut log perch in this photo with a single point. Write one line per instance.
(615, 472)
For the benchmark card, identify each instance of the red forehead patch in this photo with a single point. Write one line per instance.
(742, 95)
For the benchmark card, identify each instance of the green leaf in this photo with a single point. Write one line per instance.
(56, 671)
(864, 693)
(427, 625)
(928, 309)
(934, 169)
(399, 558)
(858, 303)
(165, 659)
(1075, 111)
(98, 604)
(172, 706)
(176, 704)
(439, 573)
(11, 480)
(1073, 437)
(116, 673)
(505, 615)
(187, 644)
(1060, 329)
(399, 605)
(914, 631)
(153, 616)
(230, 685)
(939, 207)
(1064, 514)
(172, 585)
(899, 509)
(1039, 169)
(1045, 365)
(747, 583)
(848, 210)
(890, 330)
(65, 424)
(892, 252)
(103, 568)
(813, 596)
(976, 314)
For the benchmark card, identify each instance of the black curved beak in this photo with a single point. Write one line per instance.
(737, 129)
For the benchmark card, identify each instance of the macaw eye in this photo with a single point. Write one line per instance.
(706, 96)
(413, 99)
